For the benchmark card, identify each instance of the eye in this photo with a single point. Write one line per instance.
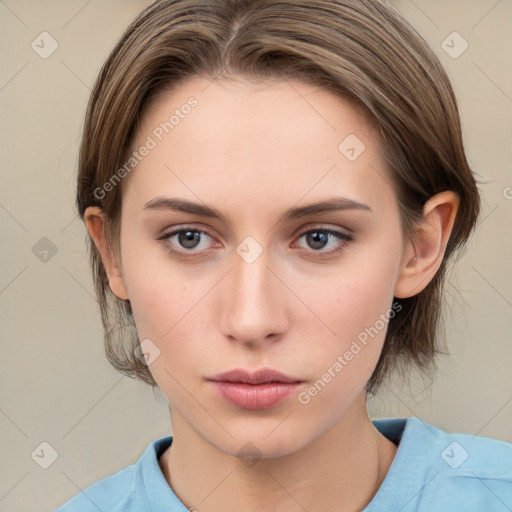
(187, 239)
(320, 238)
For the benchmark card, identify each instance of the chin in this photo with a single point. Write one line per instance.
(269, 439)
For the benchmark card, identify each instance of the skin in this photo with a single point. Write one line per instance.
(252, 151)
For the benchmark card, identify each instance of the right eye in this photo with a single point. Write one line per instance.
(186, 239)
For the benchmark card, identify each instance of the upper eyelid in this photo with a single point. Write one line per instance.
(175, 231)
(301, 231)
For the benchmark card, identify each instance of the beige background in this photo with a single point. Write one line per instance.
(56, 385)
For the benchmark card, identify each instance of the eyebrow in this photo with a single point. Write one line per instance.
(183, 205)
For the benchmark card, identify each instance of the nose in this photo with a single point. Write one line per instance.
(254, 309)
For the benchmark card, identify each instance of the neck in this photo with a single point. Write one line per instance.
(340, 470)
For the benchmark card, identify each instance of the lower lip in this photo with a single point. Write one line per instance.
(255, 396)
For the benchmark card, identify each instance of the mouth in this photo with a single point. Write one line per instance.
(261, 376)
(262, 389)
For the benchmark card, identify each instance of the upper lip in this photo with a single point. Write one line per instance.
(261, 376)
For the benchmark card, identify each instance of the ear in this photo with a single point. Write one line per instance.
(94, 222)
(424, 254)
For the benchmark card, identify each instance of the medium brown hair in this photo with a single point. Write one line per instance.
(360, 49)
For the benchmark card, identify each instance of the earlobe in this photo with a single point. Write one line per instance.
(93, 218)
(424, 254)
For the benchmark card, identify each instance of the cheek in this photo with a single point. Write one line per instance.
(170, 308)
(357, 307)
(359, 303)
(356, 294)
(166, 310)
(167, 316)
(157, 295)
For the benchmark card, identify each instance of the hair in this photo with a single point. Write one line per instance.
(360, 49)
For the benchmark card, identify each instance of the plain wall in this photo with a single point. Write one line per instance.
(55, 383)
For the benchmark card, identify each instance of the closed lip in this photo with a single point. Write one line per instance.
(260, 376)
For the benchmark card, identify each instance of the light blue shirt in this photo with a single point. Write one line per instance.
(433, 471)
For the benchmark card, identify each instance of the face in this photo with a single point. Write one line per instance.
(307, 293)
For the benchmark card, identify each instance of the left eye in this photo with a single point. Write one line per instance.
(318, 239)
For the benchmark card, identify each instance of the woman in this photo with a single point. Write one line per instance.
(273, 191)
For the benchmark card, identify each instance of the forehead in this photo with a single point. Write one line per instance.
(238, 111)
(285, 138)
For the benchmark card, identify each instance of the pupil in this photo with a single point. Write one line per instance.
(188, 239)
(316, 238)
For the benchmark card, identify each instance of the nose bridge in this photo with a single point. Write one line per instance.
(255, 306)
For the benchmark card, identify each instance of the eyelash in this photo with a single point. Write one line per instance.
(344, 239)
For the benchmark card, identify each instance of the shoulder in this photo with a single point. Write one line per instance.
(463, 454)
(127, 490)
(442, 471)
(473, 468)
